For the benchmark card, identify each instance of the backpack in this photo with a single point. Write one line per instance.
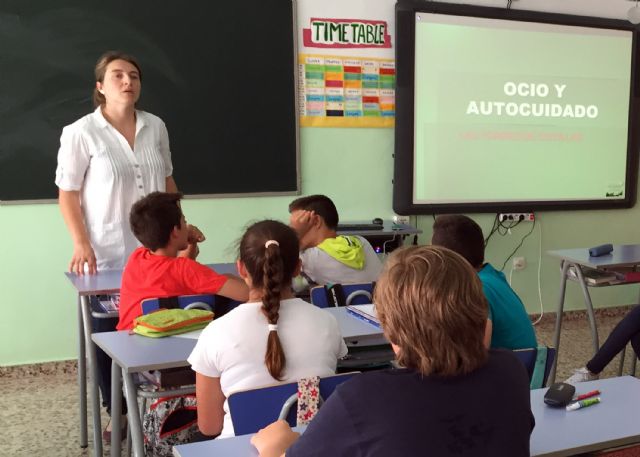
(169, 421)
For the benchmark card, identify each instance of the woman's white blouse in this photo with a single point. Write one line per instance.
(95, 159)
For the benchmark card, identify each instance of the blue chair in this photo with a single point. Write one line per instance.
(332, 295)
(202, 301)
(217, 303)
(254, 409)
(529, 356)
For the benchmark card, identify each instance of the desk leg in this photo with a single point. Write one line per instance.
(559, 311)
(116, 409)
(82, 378)
(90, 348)
(135, 424)
(589, 308)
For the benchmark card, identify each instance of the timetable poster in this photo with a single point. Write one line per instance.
(339, 91)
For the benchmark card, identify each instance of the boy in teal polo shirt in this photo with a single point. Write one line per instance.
(510, 324)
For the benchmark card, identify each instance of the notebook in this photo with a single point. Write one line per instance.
(594, 277)
(366, 313)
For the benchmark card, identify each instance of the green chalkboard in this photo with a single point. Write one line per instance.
(220, 75)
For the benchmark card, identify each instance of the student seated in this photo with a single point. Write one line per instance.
(326, 257)
(510, 326)
(453, 398)
(156, 269)
(274, 337)
(627, 331)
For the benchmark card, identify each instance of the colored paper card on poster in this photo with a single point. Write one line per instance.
(346, 92)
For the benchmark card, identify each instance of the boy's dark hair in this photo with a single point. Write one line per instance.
(153, 218)
(271, 266)
(460, 234)
(319, 204)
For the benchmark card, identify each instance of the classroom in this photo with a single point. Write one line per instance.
(38, 332)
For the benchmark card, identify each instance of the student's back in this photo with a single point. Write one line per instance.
(273, 338)
(454, 399)
(150, 276)
(512, 327)
(324, 265)
(158, 269)
(402, 413)
(329, 258)
(233, 347)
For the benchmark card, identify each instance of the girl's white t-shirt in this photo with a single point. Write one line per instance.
(233, 347)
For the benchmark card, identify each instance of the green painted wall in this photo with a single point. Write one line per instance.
(559, 230)
(352, 166)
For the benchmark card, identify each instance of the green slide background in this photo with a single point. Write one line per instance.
(456, 64)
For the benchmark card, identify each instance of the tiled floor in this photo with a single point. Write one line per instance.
(39, 412)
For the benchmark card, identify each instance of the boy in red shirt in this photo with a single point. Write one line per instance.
(165, 266)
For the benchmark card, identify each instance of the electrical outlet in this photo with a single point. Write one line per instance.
(515, 217)
(519, 263)
(400, 219)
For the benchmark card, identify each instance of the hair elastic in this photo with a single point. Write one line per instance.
(273, 327)
(270, 242)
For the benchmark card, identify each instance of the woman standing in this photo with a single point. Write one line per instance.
(107, 161)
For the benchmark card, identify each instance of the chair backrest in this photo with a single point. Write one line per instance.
(254, 409)
(342, 294)
(201, 301)
(528, 358)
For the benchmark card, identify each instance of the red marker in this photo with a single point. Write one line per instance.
(593, 393)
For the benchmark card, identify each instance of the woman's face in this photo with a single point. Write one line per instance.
(121, 85)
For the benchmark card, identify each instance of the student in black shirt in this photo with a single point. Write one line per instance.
(454, 398)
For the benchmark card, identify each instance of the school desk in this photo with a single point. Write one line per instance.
(388, 229)
(622, 256)
(228, 447)
(133, 353)
(356, 332)
(613, 422)
(103, 283)
(557, 433)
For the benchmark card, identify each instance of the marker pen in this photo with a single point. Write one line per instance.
(583, 403)
(593, 393)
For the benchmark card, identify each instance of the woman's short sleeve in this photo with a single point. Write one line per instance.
(73, 159)
(165, 151)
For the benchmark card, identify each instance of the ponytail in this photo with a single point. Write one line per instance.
(270, 252)
(272, 279)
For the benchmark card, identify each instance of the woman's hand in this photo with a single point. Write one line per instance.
(73, 217)
(83, 253)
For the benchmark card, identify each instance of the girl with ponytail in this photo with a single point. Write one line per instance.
(272, 338)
